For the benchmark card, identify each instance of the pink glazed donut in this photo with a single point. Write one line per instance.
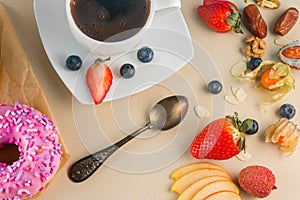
(40, 151)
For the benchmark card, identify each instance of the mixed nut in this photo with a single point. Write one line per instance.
(255, 47)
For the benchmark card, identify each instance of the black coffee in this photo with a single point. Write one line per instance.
(110, 20)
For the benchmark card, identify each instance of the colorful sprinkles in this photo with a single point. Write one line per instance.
(40, 151)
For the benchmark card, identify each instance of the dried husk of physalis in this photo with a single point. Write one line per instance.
(278, 90)
(283, 133)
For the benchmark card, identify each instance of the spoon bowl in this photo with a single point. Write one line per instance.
(164, 115)
(168, 112)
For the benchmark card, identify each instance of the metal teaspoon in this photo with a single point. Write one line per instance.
(166, 114)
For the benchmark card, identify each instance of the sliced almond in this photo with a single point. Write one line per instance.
(238, 95)
(201, 111)
(280, 41)
(241, 95)
(234, 90)
(273, 4)
(231, 99)
(244, 156)
(238, 69)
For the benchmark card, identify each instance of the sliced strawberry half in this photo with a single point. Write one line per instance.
(99, 79)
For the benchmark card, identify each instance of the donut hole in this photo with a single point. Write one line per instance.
(9, 153)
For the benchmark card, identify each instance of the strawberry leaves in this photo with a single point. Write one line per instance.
(242, 127)
(101, 60)
(234, 20)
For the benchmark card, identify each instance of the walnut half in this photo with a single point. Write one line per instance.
(254, 47)
(268, 3)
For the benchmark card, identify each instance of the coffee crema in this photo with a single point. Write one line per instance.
(110, 20)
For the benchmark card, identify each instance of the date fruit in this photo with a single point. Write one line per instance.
(286, 21)
(254, 21)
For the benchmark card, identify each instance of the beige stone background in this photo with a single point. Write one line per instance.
(112, 184)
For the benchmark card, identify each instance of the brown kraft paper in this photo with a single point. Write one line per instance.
(18, 81)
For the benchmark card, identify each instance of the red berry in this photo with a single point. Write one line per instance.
(220, 16)
(219, 140)
(257, 181)
(99, 79)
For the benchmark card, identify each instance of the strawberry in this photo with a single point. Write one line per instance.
(221, 139)
(99, 79)
(220, 16)
(257, 180)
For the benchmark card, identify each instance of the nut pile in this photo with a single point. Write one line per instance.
(255, 47)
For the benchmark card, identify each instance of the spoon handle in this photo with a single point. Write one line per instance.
(85, 167)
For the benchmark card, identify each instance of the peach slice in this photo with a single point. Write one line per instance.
(189, 192)
(186, 180)
(214, 187)
(194, 166)
(224, 195)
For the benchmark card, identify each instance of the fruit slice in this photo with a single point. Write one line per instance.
(214, 187)
(189, 192)
(224, 195)
(194, 166)
(99, 79)
(185, 181)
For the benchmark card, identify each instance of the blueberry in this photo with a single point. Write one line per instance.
(145, 54)
(249, 126)
(254, 63)
(127, 70)
(287, 111)
(73, 62)
(214, 87)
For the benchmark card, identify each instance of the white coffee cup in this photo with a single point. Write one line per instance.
(113, 48)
